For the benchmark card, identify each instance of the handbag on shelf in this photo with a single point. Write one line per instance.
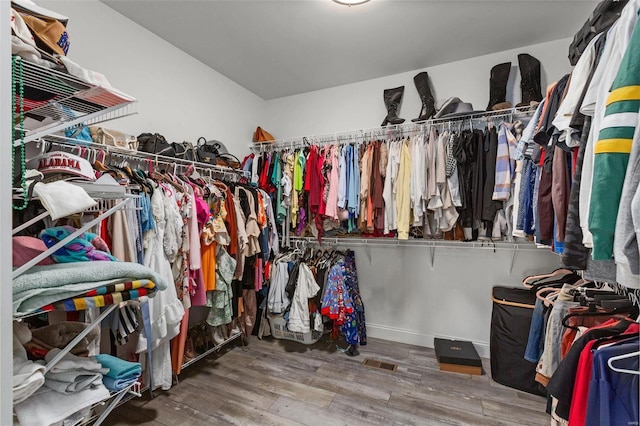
(261, 135)
(208, 151)
(228, 160)
(113, 138)
(155, 144)
(185, 151)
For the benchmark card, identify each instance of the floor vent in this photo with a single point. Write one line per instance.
(381, 365)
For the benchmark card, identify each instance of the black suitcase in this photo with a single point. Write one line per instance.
(510, 323)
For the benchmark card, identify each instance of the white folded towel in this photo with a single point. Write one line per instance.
(72, 381)
(62, 198)
(28, 376)
(74, 363)
(47, 407)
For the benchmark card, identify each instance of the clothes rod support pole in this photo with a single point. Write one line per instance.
(513, 259)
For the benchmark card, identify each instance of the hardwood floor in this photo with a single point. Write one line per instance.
(276, 382)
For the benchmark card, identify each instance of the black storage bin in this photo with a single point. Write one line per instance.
(510, 322)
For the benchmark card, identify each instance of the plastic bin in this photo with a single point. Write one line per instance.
(279, 331)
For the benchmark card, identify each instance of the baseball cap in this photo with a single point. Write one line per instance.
(50, 34)
(59, 165)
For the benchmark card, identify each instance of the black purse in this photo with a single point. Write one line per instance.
(208, 151)
(185, 151)
(155, 144)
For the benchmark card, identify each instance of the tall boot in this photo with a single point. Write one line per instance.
(498, 86)
(530, 74)
(428, 104)
(392, 100)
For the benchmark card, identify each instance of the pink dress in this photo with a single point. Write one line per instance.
(332, 200)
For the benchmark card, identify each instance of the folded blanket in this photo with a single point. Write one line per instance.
(85, 247)
(58, 335)
(119, 368)
(116, 385)
(47, 407)
(74, 363)
(42, 285)
(72, 381)
(100, 297)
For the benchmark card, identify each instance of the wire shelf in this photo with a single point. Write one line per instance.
(145, 159)
(395, 130)
(56, 100)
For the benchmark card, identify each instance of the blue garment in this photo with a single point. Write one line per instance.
(535, 344)
(525, 207)
(147, 221)
(356, 174)
(351, 187)
(536, 190)
(248, 165)
(613, 396)
(352, 190)
(558, 246)
(351, 284)
(343, 179)
(263, 239)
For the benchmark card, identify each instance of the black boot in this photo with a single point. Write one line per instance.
(498, 85)
(422, 85)
(392, 100)
(530, 74)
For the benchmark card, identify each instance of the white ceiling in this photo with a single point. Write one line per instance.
(282, 48)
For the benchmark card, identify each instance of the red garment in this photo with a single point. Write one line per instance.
(586, 321)
(322, 159)
(307, 171)
(263, 180)
(578, 411)
(314, 175)
(104, 233)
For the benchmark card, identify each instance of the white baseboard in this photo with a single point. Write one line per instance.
(416, 338)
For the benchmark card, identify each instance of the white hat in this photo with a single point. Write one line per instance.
(62, 163)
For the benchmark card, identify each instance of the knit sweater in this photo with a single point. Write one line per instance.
(612, 149)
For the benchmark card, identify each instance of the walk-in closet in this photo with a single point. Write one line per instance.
(354, 212)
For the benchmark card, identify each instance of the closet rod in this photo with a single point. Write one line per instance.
(136, 155)
(391, 130)
(394, 242)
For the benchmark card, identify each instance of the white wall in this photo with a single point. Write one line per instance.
(360, 105)
(179, 97)
(406, 300)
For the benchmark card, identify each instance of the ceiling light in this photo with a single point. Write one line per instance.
(350, 2)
